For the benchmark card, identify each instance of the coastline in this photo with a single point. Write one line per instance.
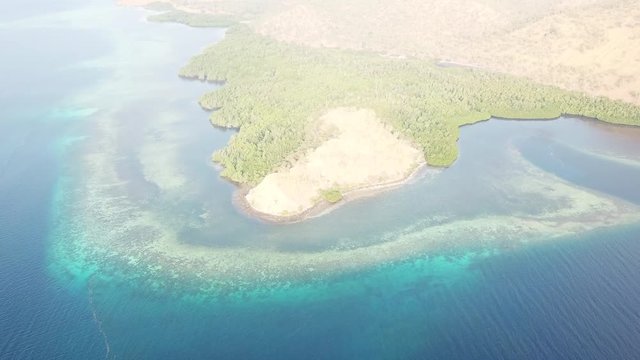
(323, 207)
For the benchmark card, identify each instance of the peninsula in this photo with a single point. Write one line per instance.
(320, 115)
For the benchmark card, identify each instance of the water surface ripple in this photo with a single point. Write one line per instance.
(118, 239)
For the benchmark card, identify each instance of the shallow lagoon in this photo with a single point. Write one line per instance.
(146, 257)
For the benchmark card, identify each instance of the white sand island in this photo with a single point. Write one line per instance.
(362, 154)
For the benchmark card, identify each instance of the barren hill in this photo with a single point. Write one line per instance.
(591, 46)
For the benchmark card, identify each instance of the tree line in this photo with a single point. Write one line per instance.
(274, 91)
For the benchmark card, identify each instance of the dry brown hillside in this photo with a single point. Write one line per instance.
(587, 45)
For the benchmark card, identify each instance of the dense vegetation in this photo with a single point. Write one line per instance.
(332, 195)
(193, 19)
(274, 91)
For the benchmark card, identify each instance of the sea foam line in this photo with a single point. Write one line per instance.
(98, 322)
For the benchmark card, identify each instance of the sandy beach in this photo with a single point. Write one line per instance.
(323, 207)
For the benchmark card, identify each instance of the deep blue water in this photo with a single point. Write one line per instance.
(38, 319)
(577, 299)
(572, 298)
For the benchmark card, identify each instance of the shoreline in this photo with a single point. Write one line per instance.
(324, 207)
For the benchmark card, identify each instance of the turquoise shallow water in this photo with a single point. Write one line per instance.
(571, 300)
(119, 240)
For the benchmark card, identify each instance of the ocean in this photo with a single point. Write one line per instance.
(119, 240)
